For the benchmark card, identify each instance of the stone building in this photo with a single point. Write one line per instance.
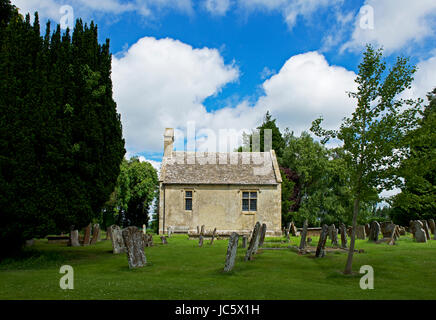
(227, 191)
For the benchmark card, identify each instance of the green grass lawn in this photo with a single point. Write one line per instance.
(182, 270)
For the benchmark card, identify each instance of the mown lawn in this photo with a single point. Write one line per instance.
(182, 270)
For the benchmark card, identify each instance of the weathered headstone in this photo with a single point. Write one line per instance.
(432, 226)
(132, 237)
(343, 236)
(95, 234)
(374, 231)
(244, 241)
(87, 235)
(360, 232)
(262, 234)
(333, 234)
(198, 230)
(200, 240)
(213, 236)
(402, 231)
(420, 235)
(163, 240)
(367, 229)
(74, 238)
(426, 229)
(320, 250)
(108, 234)
(254, 242)
(170, 231)
(117, 239)
(303, 236)
(387, 228)
(148, 239)
(231, 252)
(202, 230)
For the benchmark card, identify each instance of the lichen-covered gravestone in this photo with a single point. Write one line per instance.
(231, 252)
(320, 250)
(74, 238)
(262, 234)
(360, 232)
(432, 226)
(420, 235)
(426, 229)
(343, 236)
(333, 234)
(132, 237)
(95, 233)
(303, 236)
(374, 231)
(87, 235)
(254, 242)
(213, 236)
(117, 239)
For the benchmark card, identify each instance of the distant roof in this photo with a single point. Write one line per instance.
(243, 168)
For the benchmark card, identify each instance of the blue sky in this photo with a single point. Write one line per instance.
(224, 63)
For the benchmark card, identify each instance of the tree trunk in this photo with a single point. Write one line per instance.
(348, 266)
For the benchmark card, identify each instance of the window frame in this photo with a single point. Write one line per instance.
(249, 212)
(185, 198)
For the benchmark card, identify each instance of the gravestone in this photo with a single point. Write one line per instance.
(254, 242)
(117, 239)
(374, 231)
(148, 239)
(213, 236)
(303, 236)
(200, 240)
(432, 226)
(163, 239)
(343, 236)
(333, 234)
(387, 228)
(108, 233)
(95, 234)
(74, 238)
(244, 241)
(412, 227)
(360, 232)
(231, 252)
(170, 231)
(420, 235)
(87, 235)
(367, 229)
(198, 230)
(426, 229)
(402, 231)
(288, 239)
(293, 229)
(132, 237)
(320, 250)
(202, 230)
(262, 234)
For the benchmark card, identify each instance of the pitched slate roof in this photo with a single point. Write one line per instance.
(241, 168)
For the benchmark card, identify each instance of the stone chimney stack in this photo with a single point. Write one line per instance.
(168, 142)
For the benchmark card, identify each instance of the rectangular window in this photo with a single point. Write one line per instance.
(188, 200)
(249, 201)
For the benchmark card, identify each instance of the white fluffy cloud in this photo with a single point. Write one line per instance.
(397, 23)
(305, 88)
(162, 83)
(425, 80)
(291, 9)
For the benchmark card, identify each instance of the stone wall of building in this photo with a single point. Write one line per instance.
(219, 206)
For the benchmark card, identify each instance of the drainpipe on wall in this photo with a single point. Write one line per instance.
(163, 218)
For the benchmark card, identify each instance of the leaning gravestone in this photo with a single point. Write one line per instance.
(200, 240)
(374, 232)
(74, 238)
(95, 233)
(420, 235)
(426, 229)
(231, 252)
(87, 235)
(262, 234)
(132, 237)
(213, 236)
(254, 242)
(343, 236)
(431, 224)
(320, 250)
(117, 239)
(303, 236)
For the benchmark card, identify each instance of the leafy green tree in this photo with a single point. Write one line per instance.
(60, 134)
(373, 136)
(418, 194)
